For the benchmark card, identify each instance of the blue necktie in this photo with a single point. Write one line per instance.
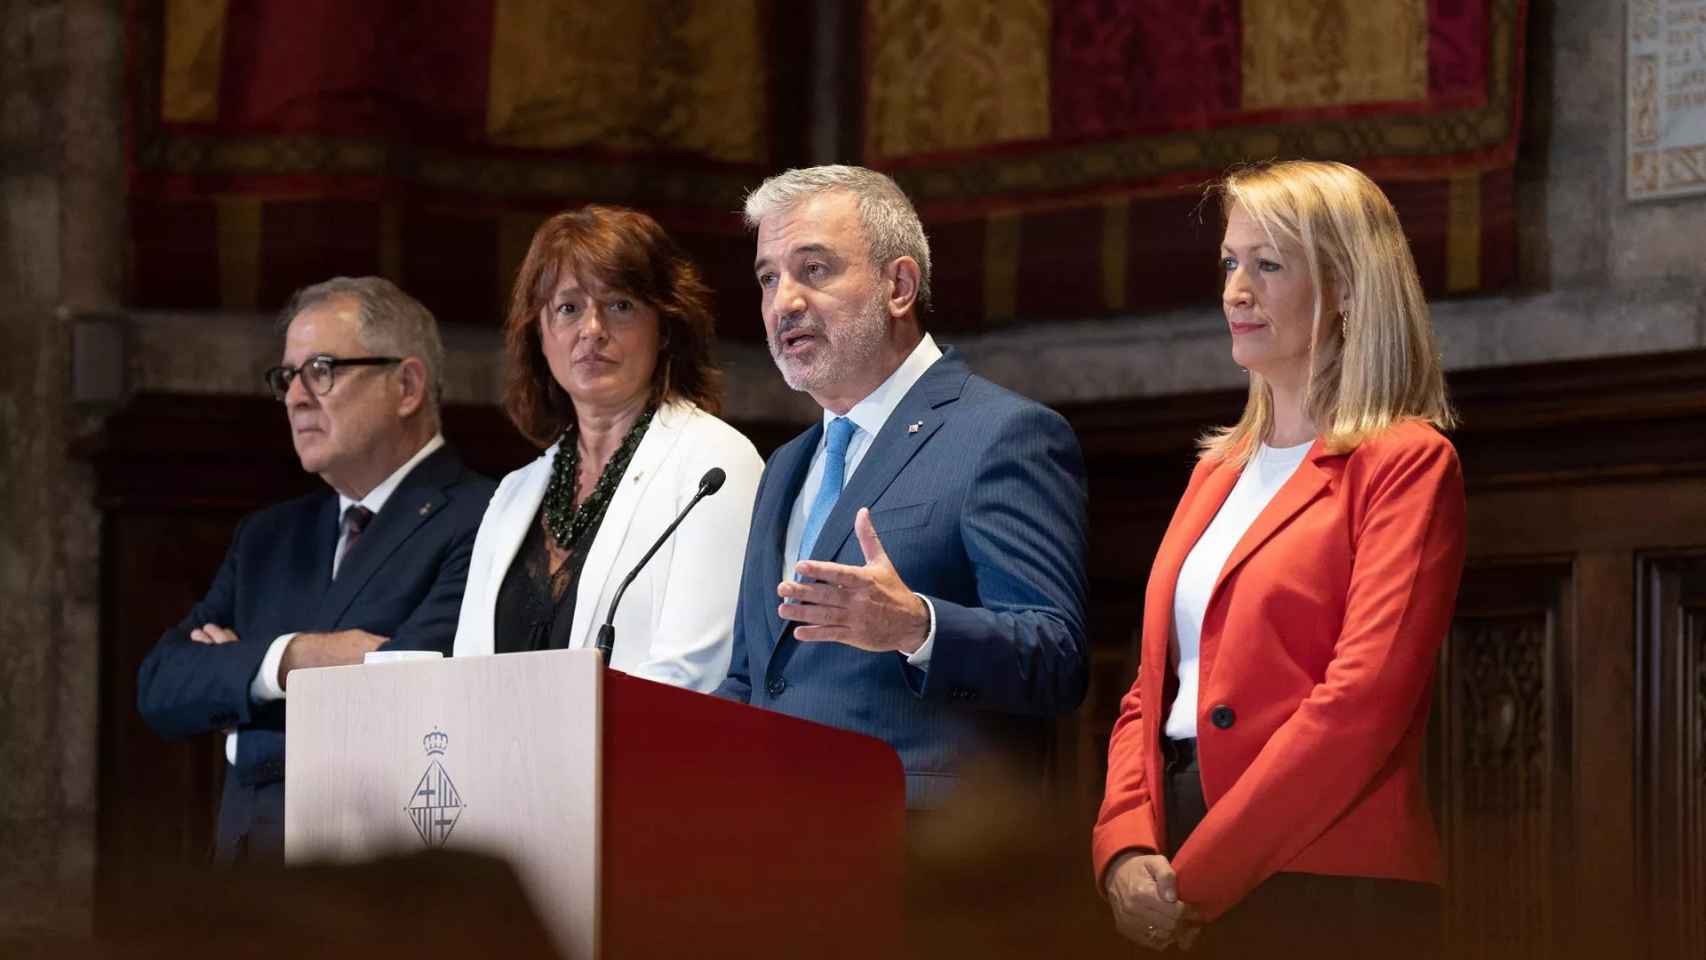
(834, 472)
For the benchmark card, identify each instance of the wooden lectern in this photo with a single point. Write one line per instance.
(645, 820)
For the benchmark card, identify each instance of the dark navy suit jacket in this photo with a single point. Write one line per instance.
(402, 580)
(981, 509)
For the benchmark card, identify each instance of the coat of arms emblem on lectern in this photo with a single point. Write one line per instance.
(435, 805)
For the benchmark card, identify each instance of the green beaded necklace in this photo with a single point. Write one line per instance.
(567, 522)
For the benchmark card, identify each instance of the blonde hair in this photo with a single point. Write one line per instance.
(1378, 365)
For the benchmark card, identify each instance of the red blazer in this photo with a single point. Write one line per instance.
(1318, 652)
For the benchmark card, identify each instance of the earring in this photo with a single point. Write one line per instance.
(1344, 320)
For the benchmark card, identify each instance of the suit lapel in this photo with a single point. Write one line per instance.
(637, 481)
(914, 421)
(1299, 491)
(315, 566)
(511, 524)
(1194, 516)
(416, 500)
(1304, 485)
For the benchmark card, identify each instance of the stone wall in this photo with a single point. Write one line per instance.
(60, 68)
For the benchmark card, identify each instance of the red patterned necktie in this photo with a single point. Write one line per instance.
(355, 520)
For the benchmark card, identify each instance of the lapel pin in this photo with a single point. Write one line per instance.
(426, 508)
(913, 428)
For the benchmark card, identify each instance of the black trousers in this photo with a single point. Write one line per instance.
(251, 823)
(1305, 914)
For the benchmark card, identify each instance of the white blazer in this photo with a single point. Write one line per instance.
(677, 617)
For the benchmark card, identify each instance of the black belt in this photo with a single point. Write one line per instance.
(1179, 754)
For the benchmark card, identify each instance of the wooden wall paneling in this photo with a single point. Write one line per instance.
(1504, 749)
(1671, 781)
(1579, 423)
(156, 799)
(1599, 515)
(1601, 853)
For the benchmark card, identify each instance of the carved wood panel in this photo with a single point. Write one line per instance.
(1671, 777)
(1500, 759)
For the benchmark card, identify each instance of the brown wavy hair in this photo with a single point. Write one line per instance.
(627, 251)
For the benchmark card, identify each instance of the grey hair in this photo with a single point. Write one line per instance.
(892, 228)
(390, 322)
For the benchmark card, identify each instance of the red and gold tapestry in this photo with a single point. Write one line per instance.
(274, 143)
(1057, 149)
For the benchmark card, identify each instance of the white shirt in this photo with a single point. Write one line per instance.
(1261, 478)
(265, 685)
(868, 417)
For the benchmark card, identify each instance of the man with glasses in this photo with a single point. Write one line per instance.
(376, 562)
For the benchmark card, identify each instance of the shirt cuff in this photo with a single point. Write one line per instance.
(265, 686)
(920, 658)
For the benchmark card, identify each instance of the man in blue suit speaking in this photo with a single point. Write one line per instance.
(916, 567)
(376, 562)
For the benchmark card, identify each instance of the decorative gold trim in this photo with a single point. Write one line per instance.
(515, 235)
(527, 177)
(1116, 223)
(1001, 239)
(194, 61)
(1463, 236)
(238, 221)
(391, 239)
(1465, 136)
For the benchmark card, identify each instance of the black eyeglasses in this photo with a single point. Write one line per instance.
(317, 374)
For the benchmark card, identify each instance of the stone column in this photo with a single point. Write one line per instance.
(61, 244)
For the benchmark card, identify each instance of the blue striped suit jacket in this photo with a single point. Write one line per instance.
(981, 509)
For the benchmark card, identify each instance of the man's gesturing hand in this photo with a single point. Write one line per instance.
(865, 606)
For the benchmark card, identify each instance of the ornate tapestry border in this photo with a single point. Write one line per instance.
(450, 171)
(1389, 147)
(166, 162)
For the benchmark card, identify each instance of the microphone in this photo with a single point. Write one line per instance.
(710, 483)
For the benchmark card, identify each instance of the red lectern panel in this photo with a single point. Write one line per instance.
(733, 831)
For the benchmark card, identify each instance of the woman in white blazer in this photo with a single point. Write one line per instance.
(608, 355)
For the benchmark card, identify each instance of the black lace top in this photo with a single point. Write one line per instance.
(536, 608)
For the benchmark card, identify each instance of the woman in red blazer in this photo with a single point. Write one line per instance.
(1264, 777)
